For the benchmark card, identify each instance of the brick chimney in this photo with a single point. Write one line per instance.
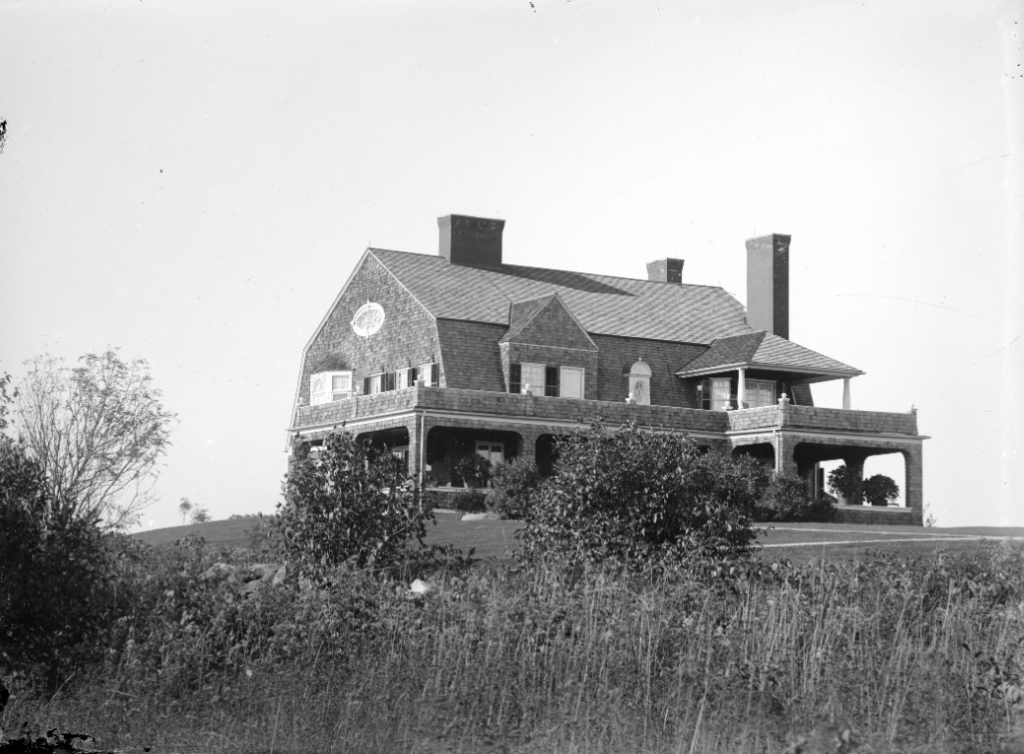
(471, 241)
(665, 271)
(768, 284)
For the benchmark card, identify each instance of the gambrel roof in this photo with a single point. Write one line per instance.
(513, 296)
(602, 304)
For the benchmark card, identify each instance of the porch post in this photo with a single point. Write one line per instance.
(741, 389)
(846, 393)
(854, 461)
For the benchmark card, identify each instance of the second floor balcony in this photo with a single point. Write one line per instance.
(571, 411)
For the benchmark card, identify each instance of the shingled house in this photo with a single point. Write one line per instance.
(438, 357)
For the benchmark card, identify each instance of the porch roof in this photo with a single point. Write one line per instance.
(764, 350)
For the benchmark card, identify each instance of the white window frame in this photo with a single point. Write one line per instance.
(640, 383)
(376, 383)
(327, 393)
(486, 448)
(562, 382)
(750, 386)
(402, 379)
(718, 402)
(426, 371)
(536, 386)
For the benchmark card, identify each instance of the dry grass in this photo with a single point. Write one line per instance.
(500, 659)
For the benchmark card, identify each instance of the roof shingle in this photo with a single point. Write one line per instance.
(602, 304)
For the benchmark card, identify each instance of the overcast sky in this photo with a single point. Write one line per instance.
(194, 181)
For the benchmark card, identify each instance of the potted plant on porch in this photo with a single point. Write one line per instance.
(880, 490)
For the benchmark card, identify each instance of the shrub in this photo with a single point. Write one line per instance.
(474, 469)
(843, 482)
(55, 595)
(880, 490)
(348, 501)
(516, 486)
(642, 500)
(785, 499)
(469, 501)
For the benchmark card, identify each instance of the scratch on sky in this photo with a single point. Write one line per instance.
(903, 298)
(1000, 350)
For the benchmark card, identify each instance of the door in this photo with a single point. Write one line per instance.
(492, 451)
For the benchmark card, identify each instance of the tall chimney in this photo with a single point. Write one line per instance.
(471, 241)
(665, 271)
(768, 284)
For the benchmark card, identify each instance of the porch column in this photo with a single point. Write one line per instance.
(913, 492)
(417, 447)
(784, 461)
(741, 389)
(855, 464)
(846, 393)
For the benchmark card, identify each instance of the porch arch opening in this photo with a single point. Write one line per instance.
(446, 446)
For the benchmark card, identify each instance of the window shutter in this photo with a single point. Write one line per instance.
(435, 375)
(366, 385)
(413, 372)
(389, 381)
(515, 378)
(551, 381)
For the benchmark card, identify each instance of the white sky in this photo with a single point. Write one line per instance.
(194, 182)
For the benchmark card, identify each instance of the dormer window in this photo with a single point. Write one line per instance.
(550, 381)
(325, 387)
(640, 383)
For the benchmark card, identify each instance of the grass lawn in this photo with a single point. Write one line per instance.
(798, 542)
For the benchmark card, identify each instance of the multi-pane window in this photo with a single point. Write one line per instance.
(492, 451)
(759, 393)
(721, 393)
(551, 381)
(325, 387)
(532, 377)
(430, 374)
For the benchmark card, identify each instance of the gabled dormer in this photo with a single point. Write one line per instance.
(546, 351)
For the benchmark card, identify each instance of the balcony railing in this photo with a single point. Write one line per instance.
(832, 419)
(575, 411)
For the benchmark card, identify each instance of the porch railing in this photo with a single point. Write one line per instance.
(575, 411)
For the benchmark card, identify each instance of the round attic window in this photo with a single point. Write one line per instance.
(368, 319)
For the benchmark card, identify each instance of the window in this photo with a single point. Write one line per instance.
(430, 374)
(374, 384)
(533, 377)
(551, 381)
(640, 383)
(515, 378)
(759, 393)
(401, 452)
(705, 394)
(721, 393)
(325, 387)
(402, 379)
(570, 382)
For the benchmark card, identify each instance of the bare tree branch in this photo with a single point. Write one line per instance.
(98, 430)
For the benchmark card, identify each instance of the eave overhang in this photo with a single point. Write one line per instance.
(811, 375)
